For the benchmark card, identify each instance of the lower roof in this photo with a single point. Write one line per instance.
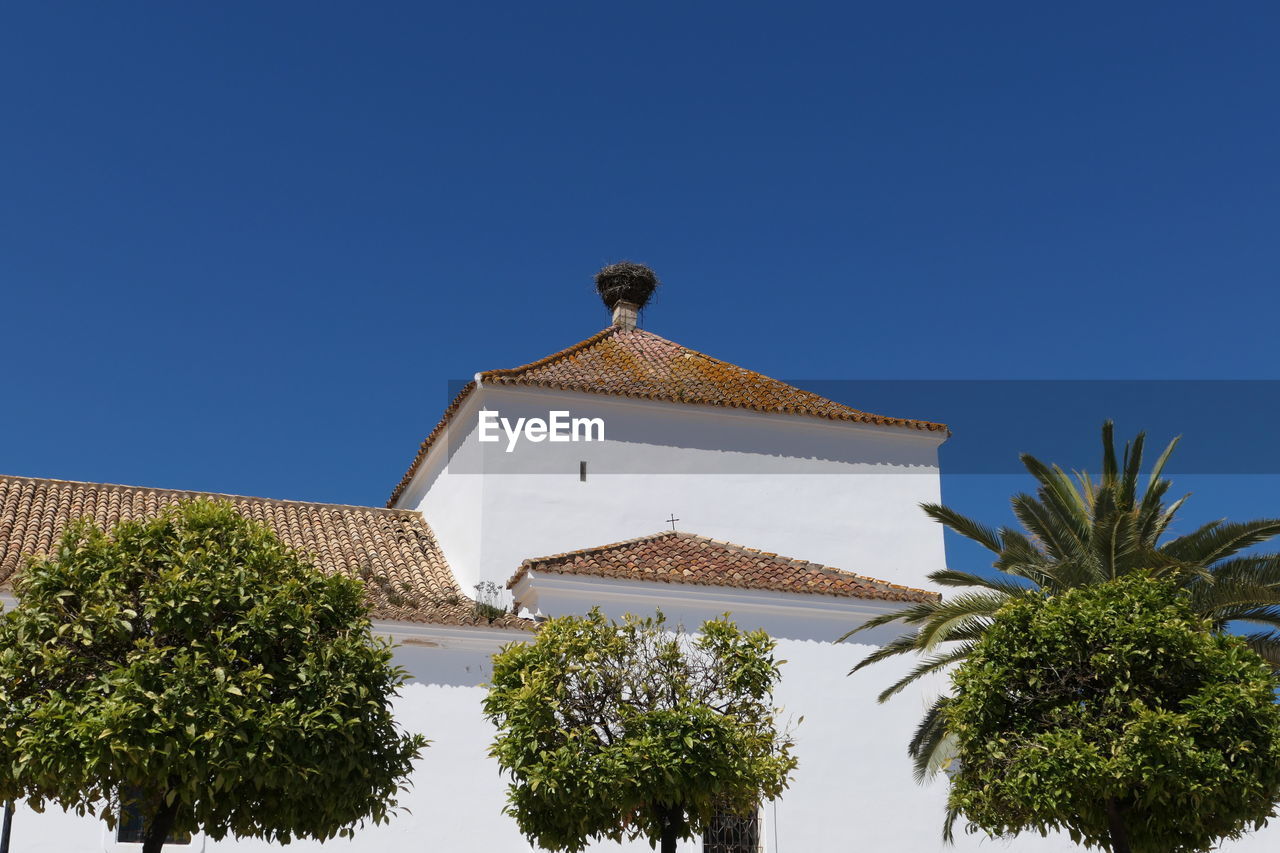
(393, 551)
(686, 558)
(396, 554)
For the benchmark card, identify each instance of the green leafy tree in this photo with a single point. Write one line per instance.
(1114, 713)
(193, 668)
(1078, 532)
(629, 730)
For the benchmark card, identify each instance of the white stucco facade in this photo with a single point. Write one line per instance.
(832, 492)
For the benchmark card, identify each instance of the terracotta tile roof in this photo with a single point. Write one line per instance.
(635, 363)
(394, 551)
(679, 557)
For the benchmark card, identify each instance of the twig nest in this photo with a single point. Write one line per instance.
(626, 282)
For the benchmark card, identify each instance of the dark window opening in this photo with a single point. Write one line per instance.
(132, 828)
(729, 833)
(582, 471)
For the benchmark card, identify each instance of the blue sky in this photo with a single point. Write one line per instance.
(244, 247)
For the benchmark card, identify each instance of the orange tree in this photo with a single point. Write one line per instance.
(196, 670)
(1114, 713)
(617, 731)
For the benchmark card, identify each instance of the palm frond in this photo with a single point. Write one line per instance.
(1109, 466)
(1221, 539)
(931, 748)
(953, 615)
(1069, 574)
(1128, 485)
(928, 666)
(1087, 487)
(908, 616)
(1151, 511)
(1225, 597)
(1166, 518)
(903, 645)
(1158, 468)
(1260, 569)
(1058, 535)
(1259, 615)
(1058, 492)
(1267, 645)
(949, 824)
(952, 577)
(965, 526)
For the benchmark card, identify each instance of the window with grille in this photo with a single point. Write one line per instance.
(728, 833)
(132, 828)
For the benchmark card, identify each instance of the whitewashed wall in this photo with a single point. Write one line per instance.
(842, 494)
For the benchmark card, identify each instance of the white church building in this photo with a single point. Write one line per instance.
(694, 486)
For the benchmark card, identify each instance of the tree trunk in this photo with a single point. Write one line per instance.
(8, 827)
(671, 829)
(1119, 832)
(157, 828)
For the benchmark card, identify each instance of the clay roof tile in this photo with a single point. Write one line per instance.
(394, 551)
(632, 362)
(681, 557)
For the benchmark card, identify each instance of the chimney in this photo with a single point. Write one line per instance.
(625, 314)
(625, 288)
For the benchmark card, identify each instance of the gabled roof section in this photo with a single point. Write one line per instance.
(686, 558)
(631, 362)
(393, 551)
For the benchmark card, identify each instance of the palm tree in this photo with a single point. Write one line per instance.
(1077, 532)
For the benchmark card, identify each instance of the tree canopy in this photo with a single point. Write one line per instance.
(634, 729)
(194, 668)
(1113, 713)
(1077, 532)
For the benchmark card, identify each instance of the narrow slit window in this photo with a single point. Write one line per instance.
(582, 471)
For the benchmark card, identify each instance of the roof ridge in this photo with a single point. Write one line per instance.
(797, 562)
(598, 337)
(555, 356)
(425, 445)
(258, 498)
(597, 549)
(615, 329)
(458, 399)
(740, 368)
(800, 562)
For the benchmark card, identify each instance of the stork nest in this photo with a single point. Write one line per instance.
(626, 282)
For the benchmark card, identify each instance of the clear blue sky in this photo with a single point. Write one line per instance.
(244, 246)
